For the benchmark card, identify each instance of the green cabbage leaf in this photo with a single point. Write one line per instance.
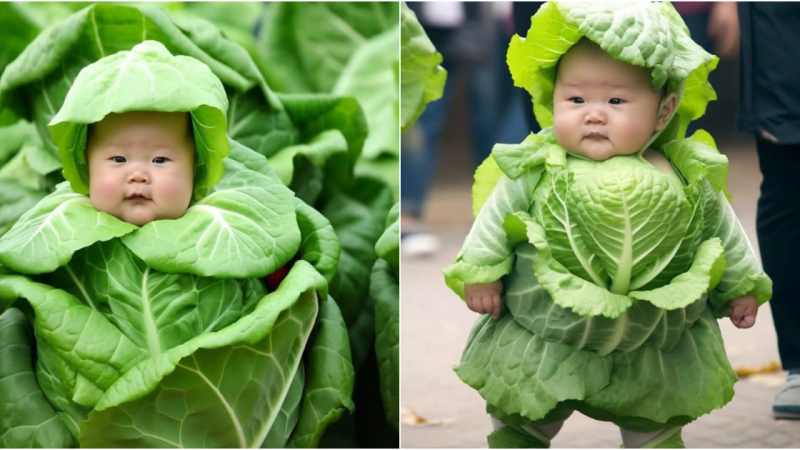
(385, 291)
(421, 75)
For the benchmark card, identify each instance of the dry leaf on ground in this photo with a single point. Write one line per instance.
(747, 371)
(414, 419)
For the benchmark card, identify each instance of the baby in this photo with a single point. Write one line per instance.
(599, 273)
(141, 165)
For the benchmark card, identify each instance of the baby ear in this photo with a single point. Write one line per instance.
(666, 111)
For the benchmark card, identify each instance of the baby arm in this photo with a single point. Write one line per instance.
(486, 255)
(744, 285)
(484, 298)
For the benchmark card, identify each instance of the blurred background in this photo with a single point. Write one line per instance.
(480, 107)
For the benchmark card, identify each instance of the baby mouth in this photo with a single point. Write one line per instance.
(137, 196)
(595, 135)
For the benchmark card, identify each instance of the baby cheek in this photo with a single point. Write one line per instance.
(561, 131)
(178, 189)
(104, 190)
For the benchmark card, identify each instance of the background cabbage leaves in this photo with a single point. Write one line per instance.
(313, 142)
(354, 54)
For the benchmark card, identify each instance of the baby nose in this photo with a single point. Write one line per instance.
(138, 176)
(595, 116)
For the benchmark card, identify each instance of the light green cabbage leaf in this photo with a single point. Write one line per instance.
(313, 62)
(421, 76)
(641, 324)
(46, 237)
(522, 373)
(359, 220)
(643, 381)
(329, 387)
(486, 255)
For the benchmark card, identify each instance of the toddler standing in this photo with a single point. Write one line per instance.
(601, 273)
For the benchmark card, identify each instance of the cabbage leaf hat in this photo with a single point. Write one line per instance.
(146, 78)
(644, 34)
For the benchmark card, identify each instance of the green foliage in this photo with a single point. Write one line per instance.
(352, 53)
(30, 419)
(385, 290)
(314, 62)
(421, 75)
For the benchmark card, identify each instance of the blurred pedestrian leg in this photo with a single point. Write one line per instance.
(417, 164)
(779, 239)
(419, 146)
(472, 38)
(770, 110)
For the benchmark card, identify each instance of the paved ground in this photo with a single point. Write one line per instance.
(435, 325)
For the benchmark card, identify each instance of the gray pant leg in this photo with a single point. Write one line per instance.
(547, 430)
(635, 439)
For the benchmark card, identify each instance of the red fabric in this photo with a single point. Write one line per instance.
(274, 279)
(691, 8)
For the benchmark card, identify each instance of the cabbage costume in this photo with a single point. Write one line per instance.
(614, 272)
(165, 336)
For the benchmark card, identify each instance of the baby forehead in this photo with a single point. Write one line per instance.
(140, 126)
(154, 119)
(586, 62)
(605, 73)
(598, 83)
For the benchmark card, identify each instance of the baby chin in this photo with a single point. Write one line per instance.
(595, 149)
(139, 214)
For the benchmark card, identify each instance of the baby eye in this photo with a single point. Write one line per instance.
(576, 100)
(159, 160)
(118, 159)
(616, 101)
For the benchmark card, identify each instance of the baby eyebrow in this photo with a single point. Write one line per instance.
(603, 85)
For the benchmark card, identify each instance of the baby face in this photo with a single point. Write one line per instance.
(603, 107)
(141, 165)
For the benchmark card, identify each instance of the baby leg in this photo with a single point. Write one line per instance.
(665, 438)
(532, 434)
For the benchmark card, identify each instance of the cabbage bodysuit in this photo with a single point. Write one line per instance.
(614, 272)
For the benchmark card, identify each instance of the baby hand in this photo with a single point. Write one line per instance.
(484, 298)
(743, 311)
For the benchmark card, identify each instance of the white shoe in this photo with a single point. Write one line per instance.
(787, 402)
(419, 245)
